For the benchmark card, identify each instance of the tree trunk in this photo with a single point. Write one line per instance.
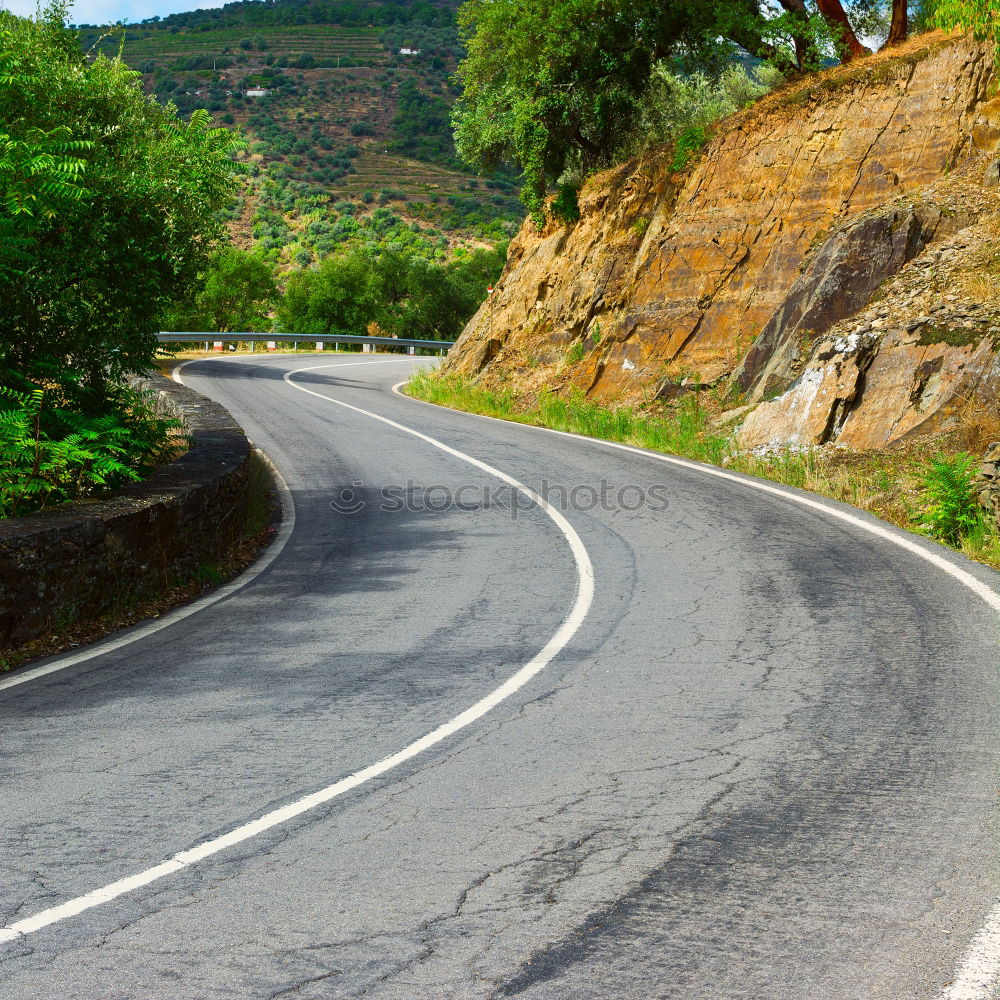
(801, 46)
(834, 13)
(899, 28)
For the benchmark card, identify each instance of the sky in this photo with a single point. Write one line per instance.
(109, 11)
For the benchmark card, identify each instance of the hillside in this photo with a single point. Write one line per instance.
(828, 268)
(348, 135)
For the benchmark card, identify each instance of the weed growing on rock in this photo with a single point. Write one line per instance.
(950, 510)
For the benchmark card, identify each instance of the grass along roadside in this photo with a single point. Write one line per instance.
(925, 487)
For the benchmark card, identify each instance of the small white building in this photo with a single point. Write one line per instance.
(409, 52)
(257, 92)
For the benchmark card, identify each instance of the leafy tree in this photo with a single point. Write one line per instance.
(236, 293)
(403, 293)
(546, 83)
(338, 297)
(558, 86)
(112, 201)
(981, 17)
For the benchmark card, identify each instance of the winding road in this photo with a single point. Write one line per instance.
(514, 714)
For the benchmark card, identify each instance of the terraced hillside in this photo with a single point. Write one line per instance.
(330, 45)
(340, 121)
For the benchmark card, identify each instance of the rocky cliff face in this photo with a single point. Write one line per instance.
(750, 270)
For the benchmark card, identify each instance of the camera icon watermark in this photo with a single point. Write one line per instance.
(438, 498)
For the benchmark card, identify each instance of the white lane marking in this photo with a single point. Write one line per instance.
(977, 976)
(555, 645)
(980, 589)
(979, 972)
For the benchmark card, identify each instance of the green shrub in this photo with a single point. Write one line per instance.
(40, 468)
(950, 509)
(688, 143)
(678, 109)
(565, 206)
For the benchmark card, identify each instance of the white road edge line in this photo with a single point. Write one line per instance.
(979, 972)
(581, 606)
(172, 617)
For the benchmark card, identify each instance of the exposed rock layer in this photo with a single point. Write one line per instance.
(799, 211)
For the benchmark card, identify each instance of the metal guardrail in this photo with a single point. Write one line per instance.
(302, 338)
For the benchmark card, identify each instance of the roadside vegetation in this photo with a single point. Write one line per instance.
(926, 487)
(109, 204)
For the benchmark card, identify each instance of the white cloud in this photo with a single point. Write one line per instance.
(110, 11)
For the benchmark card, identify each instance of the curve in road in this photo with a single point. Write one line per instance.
(764, 765)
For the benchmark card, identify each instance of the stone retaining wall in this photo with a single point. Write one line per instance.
(986, 487)
(86, 558)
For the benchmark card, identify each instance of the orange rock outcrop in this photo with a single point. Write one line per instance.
(670, 275)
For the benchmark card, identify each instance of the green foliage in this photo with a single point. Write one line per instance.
(950, 509)
(235, 293)
(679, 109)
(576, 353)
(981, 17)
(566, 206)
(39, 175)
(544, 81)
(402, 294)
(804, 41)
(422, 127)
(338, 297)
(686, 145)
(50, 455)
(110, 201)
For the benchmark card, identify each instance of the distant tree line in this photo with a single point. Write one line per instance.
(263, 14)
(393, 291)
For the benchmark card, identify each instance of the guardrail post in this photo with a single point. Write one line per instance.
(319, 345)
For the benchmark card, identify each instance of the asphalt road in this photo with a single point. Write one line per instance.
(763, 765)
